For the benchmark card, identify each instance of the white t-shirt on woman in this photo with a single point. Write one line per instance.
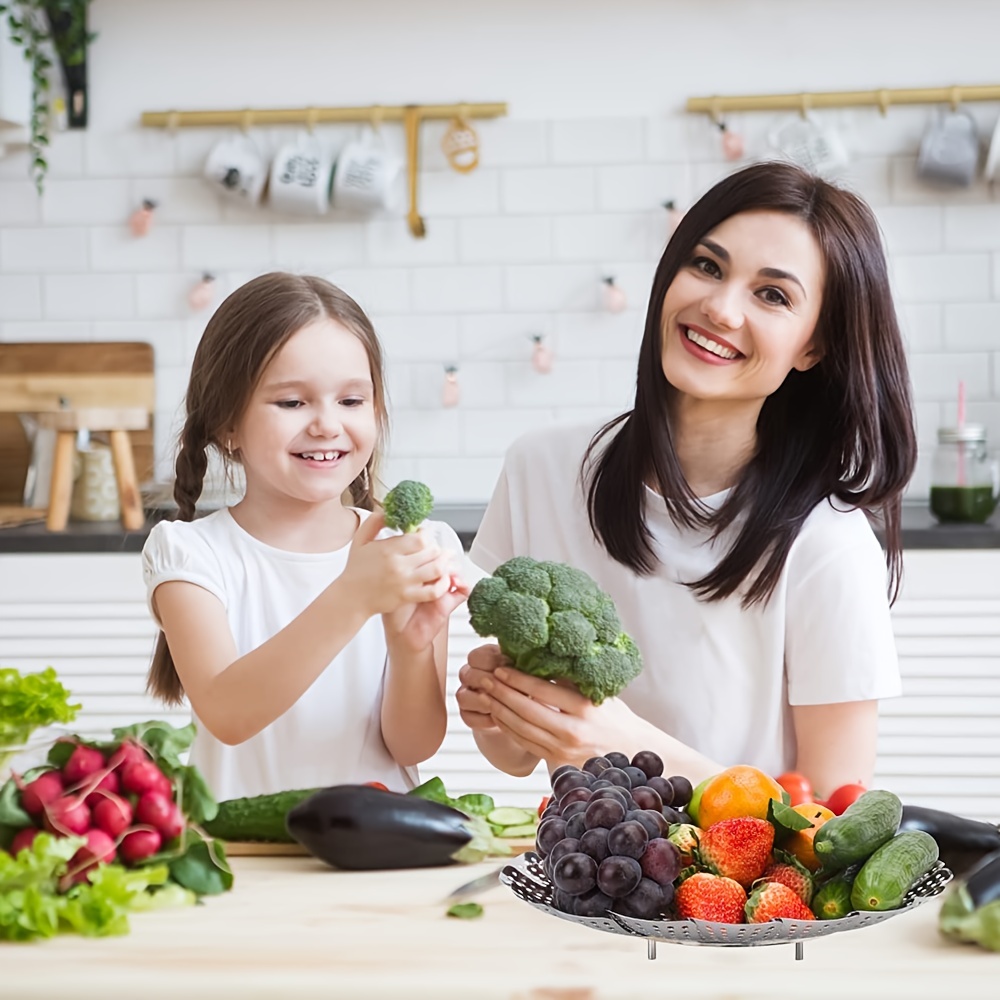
(333, 733)
(717, 677)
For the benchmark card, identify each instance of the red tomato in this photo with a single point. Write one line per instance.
(376, 784)
(840, 798)
(798, 787)
(543, 804)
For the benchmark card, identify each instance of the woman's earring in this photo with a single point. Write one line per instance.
(365, 485)
(229, 447)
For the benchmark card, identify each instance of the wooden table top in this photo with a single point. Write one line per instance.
(292, 928)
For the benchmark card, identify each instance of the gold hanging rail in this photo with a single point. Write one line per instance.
(411, 115)
(247, 117)
(805, 102)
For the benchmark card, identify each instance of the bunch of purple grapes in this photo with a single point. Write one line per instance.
(603, 836)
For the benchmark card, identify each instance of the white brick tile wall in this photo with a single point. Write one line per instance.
(19, 203)
(643, 187)
(114, 248)
(942, 277)
(390, 243)
(549, 192)
(87, 202)
(517, 247)
(448, 193)
(211, 247)
(457, 289)
(89, 296)
(970, 326)
(418, 338)
(20, 297)
(603, 140)
(318, 248)
(505, 239)
(34, 250)
(481, 385)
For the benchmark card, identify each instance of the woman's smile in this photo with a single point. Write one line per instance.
(708, 347)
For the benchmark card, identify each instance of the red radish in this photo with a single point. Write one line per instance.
(155, 809)
(67, 816)
(22, 839)
(99, 849)
(145, 776)
(113, 815)
(82, 763)
(37, 794)
(109, 783)
(139, 845)
(128, 753)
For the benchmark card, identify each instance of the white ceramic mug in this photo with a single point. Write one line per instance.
(300, 177)
(812, 145)
(237, 169)
(367, 175)
(949, 150)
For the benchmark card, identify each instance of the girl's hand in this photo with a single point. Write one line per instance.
(556, 722)
(386, 574)
(474, 703)
(416, 625)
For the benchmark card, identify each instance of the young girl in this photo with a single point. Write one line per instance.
(724, 513)
(310, 646)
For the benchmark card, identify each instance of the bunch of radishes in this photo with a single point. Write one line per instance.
(123, 804)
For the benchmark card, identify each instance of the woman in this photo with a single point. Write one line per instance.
(725, 512)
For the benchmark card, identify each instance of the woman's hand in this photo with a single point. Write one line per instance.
(556, 722)
(474, 704)
(385, 574)
(414, 626)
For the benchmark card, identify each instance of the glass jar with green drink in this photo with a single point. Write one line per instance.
(965, 481)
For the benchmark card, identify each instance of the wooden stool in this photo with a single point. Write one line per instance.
(117, 423)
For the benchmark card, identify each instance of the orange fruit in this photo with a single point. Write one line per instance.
(800, 843)
(737, 791)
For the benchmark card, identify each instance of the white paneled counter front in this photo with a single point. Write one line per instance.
(85, 614)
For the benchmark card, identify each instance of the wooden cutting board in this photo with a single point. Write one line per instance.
(249, 849)
(34, 377)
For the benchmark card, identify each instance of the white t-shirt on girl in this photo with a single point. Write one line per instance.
(717, 677)
(333, 733)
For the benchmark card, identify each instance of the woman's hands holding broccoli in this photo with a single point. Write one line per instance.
(552, 721)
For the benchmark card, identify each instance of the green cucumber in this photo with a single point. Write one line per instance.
(510, 816)
(524, 830)
(888, 875)
(260, 817)
(859, 831)
(833, 900)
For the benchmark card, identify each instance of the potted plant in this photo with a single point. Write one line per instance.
(45, 29)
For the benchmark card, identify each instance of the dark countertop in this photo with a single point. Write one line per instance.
(920, 531)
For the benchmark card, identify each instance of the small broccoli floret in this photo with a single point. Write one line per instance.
(407, 505)
(553, 621)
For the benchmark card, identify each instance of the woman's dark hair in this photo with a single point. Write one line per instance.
(241, 338)
(843, 428)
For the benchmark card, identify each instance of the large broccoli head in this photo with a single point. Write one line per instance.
(407, 505)
(553, 621)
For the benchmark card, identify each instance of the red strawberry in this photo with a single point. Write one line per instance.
(710, 897)
(788, 871)
(774, 901)
(684, 837)
(737, 848)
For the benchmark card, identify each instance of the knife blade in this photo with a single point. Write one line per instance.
(477, 886)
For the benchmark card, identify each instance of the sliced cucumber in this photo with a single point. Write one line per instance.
(510, 816)
(526, 830)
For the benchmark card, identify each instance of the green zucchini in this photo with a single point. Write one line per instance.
(259, 817)
(859, 831)
(888, 875)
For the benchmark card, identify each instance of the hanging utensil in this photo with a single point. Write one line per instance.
(411, 122)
